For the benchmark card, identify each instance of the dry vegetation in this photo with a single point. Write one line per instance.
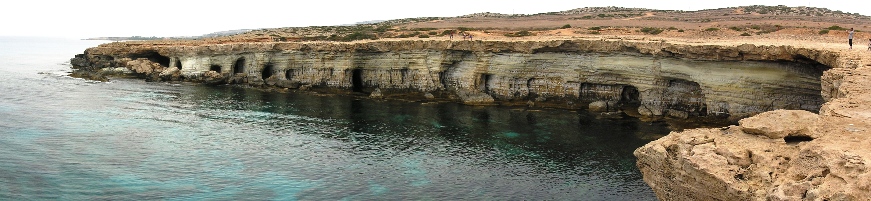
(760, 22)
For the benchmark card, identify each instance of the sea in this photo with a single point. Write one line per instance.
(64, 138)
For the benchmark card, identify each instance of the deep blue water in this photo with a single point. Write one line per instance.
(71, 139)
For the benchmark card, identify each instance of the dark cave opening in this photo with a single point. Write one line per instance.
(357, 80)
(152, 56)
(178, 63)
(216, 68)
(239, 66)
(268, 71)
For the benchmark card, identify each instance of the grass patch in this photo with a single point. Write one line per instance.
(651, 30)
(595, 28)
(712, 29)
(836, 28)
(746, 34)
(520, 34)
(566, 26)
(824, 32)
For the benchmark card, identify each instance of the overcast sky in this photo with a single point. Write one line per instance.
(93, 18)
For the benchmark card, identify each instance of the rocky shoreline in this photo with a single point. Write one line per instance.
(660, 79)
(780, 154)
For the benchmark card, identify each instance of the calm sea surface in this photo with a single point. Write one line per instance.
(71, 139)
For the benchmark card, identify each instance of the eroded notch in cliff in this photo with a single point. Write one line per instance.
(483, 82)
(684, 98)
(357, 80)
(239, 66)
(178, 63)
(216, 68)
(152, 56)
(268, 71)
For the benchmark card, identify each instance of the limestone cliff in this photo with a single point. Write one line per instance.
(777, 155)
(658, 78)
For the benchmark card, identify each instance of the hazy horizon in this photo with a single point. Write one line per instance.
(164, 18)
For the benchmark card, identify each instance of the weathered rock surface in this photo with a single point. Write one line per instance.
(780, 123)
(777, 155)
(665, 79)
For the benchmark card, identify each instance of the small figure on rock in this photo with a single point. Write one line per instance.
(850, 37)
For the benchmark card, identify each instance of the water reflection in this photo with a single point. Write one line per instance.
(425, 142)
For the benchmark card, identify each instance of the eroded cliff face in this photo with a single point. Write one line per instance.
(654, 78)
(776, 155)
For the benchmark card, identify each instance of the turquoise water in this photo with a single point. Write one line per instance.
(71, 139)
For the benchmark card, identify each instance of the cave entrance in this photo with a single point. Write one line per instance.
(484, 82)
(357, 80)
(629, 95)
(216, 68)
(239, 66)
(178, 63)
(268, 71)
(152, 56)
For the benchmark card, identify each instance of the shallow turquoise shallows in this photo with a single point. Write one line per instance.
(64, 138)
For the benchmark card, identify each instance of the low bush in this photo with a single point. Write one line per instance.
(651, 30)
(520, 34)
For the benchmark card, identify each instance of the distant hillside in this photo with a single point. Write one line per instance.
(737, 18)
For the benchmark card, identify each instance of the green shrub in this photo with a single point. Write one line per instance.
(423, 36)
(446, 32)
(595, 28)
(651, 30)
(424, 29)
(837, 28)
(736, 28)
(566, 26)
(433, 33)
(672, 28)
(595, 32)
(712, 29)
(464, 28)
(520, 34)
(680, 30)
(745, 34)
(824, 32)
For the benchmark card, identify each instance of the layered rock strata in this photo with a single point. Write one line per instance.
(659, 79)
(777, 155)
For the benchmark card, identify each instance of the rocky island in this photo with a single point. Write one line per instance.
(798, 95)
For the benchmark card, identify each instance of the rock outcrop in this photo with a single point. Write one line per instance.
(781, 154)
(661, 79)
(777, 155)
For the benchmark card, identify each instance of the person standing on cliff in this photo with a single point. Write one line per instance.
(850, 37)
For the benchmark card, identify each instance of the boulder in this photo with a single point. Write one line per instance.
(376, 93)
(780, 123)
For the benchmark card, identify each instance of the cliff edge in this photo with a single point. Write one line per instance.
(787, 151)
(777, 155)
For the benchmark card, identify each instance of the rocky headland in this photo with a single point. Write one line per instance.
(800, 98)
